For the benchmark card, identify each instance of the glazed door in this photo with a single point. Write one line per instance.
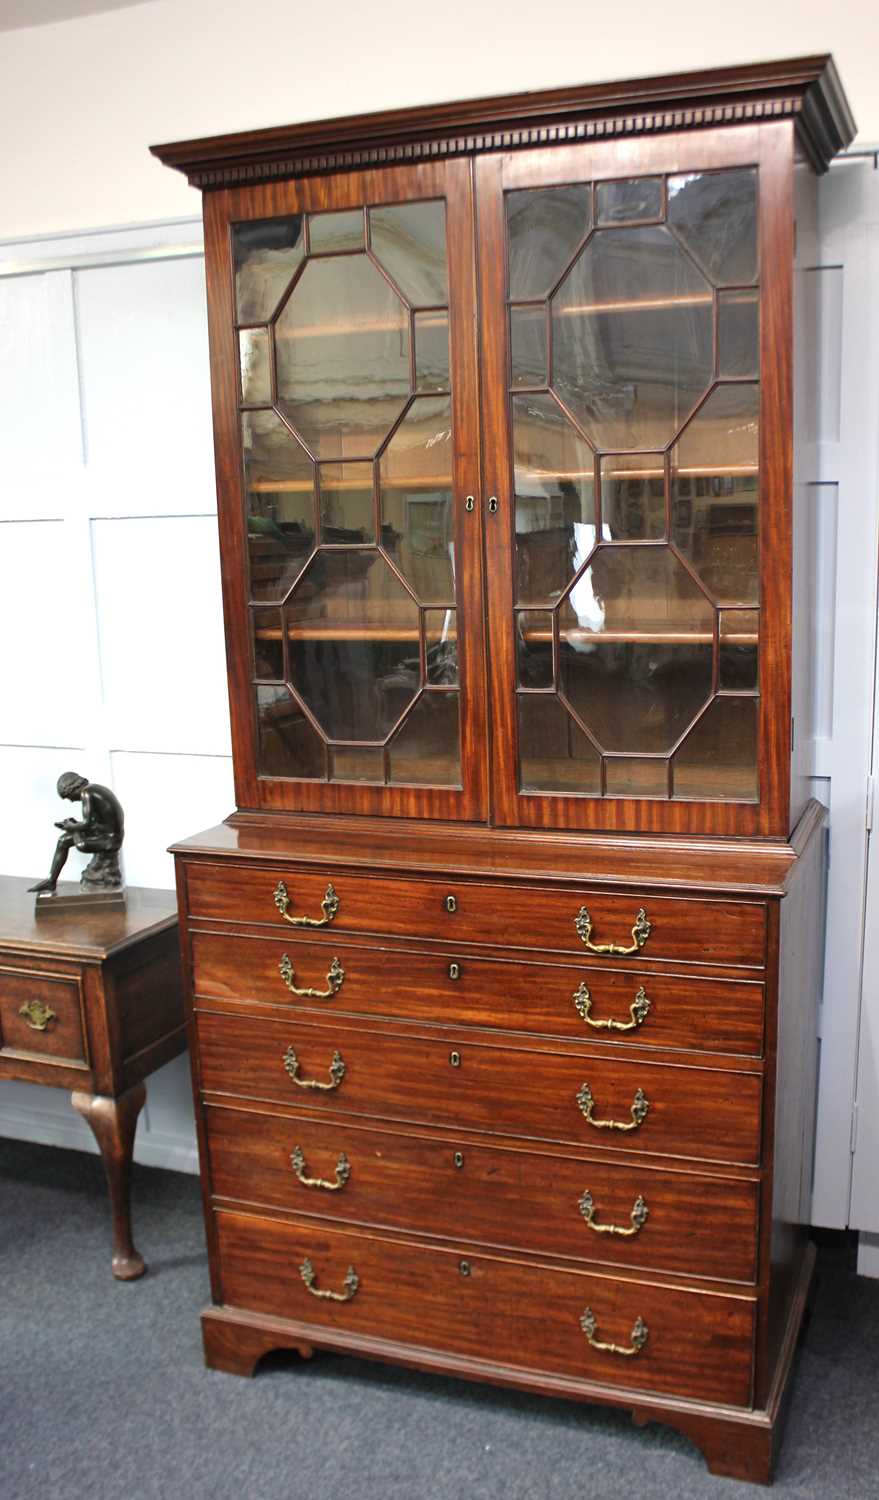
(633, 295)
(342, 315)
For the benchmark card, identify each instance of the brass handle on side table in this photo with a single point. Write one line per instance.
(637, 1010)
(337, 1072)
(343, 1172)
(351, 1283)
(640, 933)
(335, 976)
(639, 1336)
(37, 1015)
(329, 906)
(640, 1106)
(638, 1216)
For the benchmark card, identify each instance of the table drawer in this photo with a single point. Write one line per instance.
(522, 1200)
(584, 1002)
(41, 1014)
(692, 1344)
(717, 932)
(705, 1113)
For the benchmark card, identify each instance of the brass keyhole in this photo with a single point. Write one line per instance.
(454, 971)
(464, 1267)
(469, 503)
(451, 904)
(455, 1059)
(458, 1158)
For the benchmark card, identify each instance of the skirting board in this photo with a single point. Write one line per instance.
(868, 1254)
(176, 1153)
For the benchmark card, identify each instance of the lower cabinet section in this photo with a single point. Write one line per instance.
(631, 1334)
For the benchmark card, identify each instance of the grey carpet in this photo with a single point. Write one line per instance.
(103, 1392)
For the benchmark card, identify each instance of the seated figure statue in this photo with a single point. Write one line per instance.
(99, 833)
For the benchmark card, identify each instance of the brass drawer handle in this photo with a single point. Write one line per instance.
(337, 1072)
(335, 975)
(37, 1015)
(638, 1216)
(343, 1172)
(329, 906)
(639, 1336)
(640, 933)
(640, 1106)
(637, 1010)
(351, 1283)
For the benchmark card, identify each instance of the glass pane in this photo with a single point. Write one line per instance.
(718, 759)
(431, 351)
(287, 743)
(356, 763)
(544, 226)
(268, 645)
(279, 484)
(426, 750)
(738, 333)
(631, 777)
(633, 497)
(441, 646)
(640, 198)
(352, 640)
(636, 648)
(555, 499)
(265, 255)
(256, 373)
(554, 753)
(633, 347)
(347, 513)
(416, 487)
(714, 485)
(342, 355)
(339, 231)
(534, 636)
(715, 215)
(410, 241)
(737, 650)
(528, 350)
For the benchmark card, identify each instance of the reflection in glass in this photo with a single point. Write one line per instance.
(534, 642)
(714, 479)
(431, 351)
(633, 777)
(342, 355)
(554, 753)
(409, 239)
(715, 215)
(268, 644)
(256, 370)
(265, 255)
(356, 763)
(639, 198)
(347, 513)
(738, 333)
(528, 351)
(718, 759)
(544, 226)
(279, 486)
(416, 489)
(636, 648)
(555, 503)
(737, 650)
(426, 750)
(633, 497)
(287, 744)
(632, 338)
(352, 641)
(334, 232)
(441, 647)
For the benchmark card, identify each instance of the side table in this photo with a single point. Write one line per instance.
(93, 1003)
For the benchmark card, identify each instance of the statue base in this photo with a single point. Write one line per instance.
(70, 898)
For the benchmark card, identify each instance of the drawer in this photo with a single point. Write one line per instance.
(522, 1200)
(661, 1010)
(698, 1345)
(704, 1113)
(41, 1014)
(716, 932)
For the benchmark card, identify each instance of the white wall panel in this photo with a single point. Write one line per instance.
(28, 775)
(43, 644)
(165, 798)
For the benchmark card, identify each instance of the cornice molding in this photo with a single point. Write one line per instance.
(807, 90)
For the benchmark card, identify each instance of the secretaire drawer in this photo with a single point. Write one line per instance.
(575, 919)
(41, 1014)
(703, 1113)
(690, 1343)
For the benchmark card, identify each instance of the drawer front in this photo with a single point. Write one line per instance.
(582, 1001)
(41, 1014)
(704, 1113)
(717, 932)
(547, 1204)
(698, 1345)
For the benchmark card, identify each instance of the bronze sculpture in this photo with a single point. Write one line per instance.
(99, 833)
